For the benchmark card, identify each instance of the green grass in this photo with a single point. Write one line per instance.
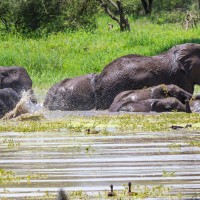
(53, 58)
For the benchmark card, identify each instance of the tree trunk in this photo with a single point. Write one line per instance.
(121, 20)
(124, 24)
(4, 21)
(150, 5)
(147, 5)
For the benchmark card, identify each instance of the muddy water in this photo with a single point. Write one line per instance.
(91, 163)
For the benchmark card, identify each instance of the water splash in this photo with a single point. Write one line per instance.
(26, 105)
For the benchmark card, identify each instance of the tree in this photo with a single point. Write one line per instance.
(147, 5)
(117, 8)
(49, 15)
(7, 13)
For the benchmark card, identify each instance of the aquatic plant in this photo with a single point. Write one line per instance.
(120, 123)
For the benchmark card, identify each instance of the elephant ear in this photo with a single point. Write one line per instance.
(187, 57)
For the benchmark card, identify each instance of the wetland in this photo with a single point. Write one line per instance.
(85, 152)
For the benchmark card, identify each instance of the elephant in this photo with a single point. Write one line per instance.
(180, 65)
(158, 105)
(16, 78)
(156, 92)
(72, 94)
(8, 100)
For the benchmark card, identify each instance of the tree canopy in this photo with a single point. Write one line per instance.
(58, 15)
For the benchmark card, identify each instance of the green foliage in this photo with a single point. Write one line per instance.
(47, 15)
(167, 17)
(7, 14)
(171, 5)
(132, 7)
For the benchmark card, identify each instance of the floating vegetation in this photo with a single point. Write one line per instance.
(8, 177)
(120, 123)
(141, 192)
(47, 195)
(168, 174)
(194, 143)
(175, 146)
(78, 195)
(11, 144)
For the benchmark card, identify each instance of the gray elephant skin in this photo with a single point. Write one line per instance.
(158, 105)
(180, 65)
(72, 94)
(8, 100)
(16, 78)
(142, 100)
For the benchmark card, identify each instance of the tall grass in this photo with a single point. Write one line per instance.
(53, 58)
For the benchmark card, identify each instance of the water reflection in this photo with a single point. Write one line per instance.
(92, 163)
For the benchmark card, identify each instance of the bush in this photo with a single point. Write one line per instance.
(171, 5)
(48, 15)
(132, 7)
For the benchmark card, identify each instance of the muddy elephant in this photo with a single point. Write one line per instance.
(72, 94)
(8, 100)
(158, 105)
(16, 78)
(180, 65)
(156, 92)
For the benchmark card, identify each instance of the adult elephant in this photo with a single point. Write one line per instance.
(16, 78)
(8, 100)
(128, 98)
(72, 94)
(180, 65)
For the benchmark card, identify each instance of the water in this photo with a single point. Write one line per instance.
(92, 162)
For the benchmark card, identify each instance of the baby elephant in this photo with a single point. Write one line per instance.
(158, 105)
(158, 98)
(8, 100)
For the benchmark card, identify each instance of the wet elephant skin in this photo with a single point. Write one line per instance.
(16, 78)
(180, 66)
(136, 97)
(72, 94)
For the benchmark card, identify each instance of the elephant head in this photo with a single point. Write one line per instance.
(187, 57)
(16, 78)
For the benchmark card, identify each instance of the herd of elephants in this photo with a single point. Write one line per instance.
(131, 83)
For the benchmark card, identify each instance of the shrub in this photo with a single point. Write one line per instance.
(48, 15)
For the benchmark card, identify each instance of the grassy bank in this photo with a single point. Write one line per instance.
(50, 59)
